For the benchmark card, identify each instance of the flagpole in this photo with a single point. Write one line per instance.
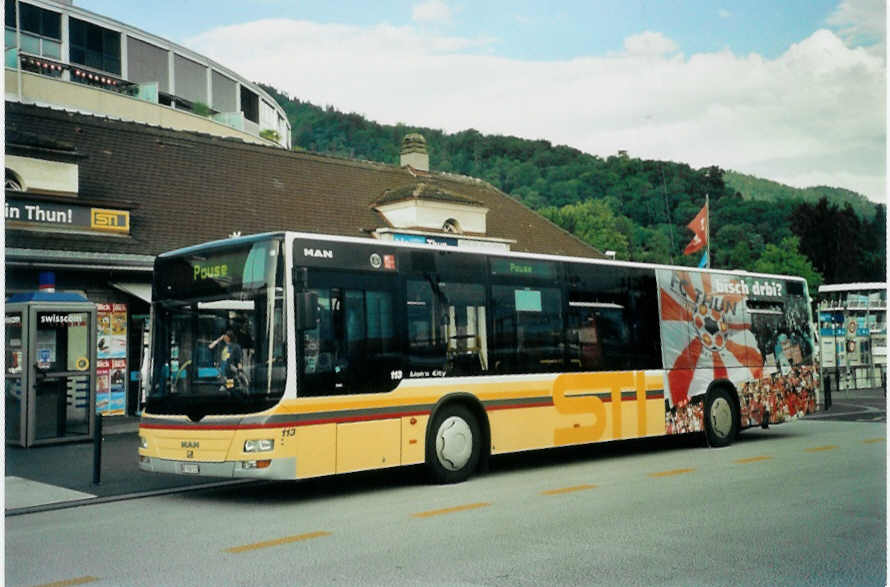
(708, 234)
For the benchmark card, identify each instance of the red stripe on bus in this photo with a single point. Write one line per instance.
(295, 423)
(539, 404)
(346, 419)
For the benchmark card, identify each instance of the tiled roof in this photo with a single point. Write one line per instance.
(190, 188)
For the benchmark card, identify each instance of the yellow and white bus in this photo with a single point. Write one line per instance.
(346, 354)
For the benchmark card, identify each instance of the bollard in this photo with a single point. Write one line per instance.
(97, 451)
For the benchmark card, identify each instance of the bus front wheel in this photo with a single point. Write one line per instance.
(721, 418)
(452, 452)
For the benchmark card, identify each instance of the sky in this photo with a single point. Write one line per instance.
(793, 91)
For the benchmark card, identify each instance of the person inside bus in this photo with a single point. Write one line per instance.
(230, 355)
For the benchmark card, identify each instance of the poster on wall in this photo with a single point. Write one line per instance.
(111, 390)
(118, 391)
(111, 386)
(745, 330)
(103, 385)
(112, 331)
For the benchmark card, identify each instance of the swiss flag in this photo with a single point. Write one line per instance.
(699, 226)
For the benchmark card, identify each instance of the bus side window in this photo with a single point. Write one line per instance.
(354, 349)
(528, 327)
(319, 350)
(426, 334)
(585, 344)
(463, 319)
(446, 329)
(613, 320)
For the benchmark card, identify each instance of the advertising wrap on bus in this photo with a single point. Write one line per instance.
(752, 332)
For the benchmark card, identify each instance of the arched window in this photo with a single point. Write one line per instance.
(451, 225)
(13, 181)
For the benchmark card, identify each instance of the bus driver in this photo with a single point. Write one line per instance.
(230, 355)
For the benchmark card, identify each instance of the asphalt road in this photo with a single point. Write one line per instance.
(801, 503)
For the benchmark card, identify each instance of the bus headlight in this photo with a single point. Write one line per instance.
(143, 442)
(261, 445)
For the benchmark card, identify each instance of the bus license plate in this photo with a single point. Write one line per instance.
(191, 468)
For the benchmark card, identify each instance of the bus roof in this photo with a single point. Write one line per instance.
(851, 287)
(412, 245)
(225, 242)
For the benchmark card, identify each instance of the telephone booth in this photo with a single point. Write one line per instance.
(50, 368)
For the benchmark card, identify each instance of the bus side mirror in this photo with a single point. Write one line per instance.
(306, 310)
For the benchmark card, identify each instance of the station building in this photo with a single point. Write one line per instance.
(59, 54)
(853, 335)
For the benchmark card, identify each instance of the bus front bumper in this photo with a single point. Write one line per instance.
(252, 469)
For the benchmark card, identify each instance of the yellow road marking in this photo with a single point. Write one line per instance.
(78, 581)
(671, 472)
(873, 440)
(567, 489)
(459, 508)
(277, 542)
(821, 448)
(753, 459)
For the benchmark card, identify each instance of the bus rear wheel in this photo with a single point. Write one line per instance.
(453, 448)
(721, 418)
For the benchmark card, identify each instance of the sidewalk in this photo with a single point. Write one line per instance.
(45, 477)
(873, 393)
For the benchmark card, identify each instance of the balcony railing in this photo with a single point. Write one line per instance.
(147, 92)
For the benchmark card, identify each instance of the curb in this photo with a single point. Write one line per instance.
(62, 505)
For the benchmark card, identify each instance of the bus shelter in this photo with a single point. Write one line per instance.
(50, 368)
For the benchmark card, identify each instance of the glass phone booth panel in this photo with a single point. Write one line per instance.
(51, 373)
(61, 386)
(13, 375)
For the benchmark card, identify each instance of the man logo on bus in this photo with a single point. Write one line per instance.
(318, 253)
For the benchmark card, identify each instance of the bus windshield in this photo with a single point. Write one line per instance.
(219, 338)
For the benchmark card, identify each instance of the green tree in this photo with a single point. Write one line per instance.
(592, 221)
(833, 238)
(651, 245)
(786, 259)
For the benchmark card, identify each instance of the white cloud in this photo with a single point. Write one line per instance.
(649, 43)
(724, 13)
(434, 11)
(861, 22)
(815, 113)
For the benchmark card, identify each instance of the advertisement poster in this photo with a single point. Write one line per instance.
(748, 331)
(111, 320)
(111, 390)
(118, 388)
(111, 383)
(103, 385)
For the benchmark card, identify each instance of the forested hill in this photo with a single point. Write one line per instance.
(638, 208)
(756, 188)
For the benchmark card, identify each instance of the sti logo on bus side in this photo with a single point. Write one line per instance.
(318, 253)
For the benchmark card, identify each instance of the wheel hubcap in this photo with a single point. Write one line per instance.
(721, 417)
(454, 443)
